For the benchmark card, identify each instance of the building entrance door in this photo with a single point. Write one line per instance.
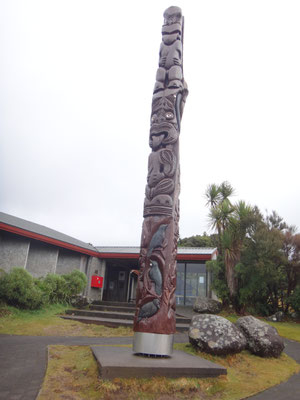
(117, 282)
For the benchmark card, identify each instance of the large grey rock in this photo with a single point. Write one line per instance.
(215, 335)
(204, 305)
(295, 315)
(262, 338)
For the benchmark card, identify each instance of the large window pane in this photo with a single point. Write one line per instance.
(180, 284)
(195, 282)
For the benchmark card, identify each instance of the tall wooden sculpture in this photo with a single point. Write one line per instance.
(155, 322)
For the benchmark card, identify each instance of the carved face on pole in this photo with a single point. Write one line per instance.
(164, 127)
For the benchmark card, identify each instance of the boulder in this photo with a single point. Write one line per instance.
(215, 335)
(295, 315)
(204, 305)
(277, 317)
(262, 338)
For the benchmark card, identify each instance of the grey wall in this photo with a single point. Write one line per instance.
(41, 259)
(13, 253)
(69, 260)
(95, 267)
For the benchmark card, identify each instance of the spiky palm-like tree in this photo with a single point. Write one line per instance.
(233, 238)
(219, 217)
(217, 197)
(212, 195)
(226, 190)
(231, 221)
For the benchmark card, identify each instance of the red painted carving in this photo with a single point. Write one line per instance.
(157, 279)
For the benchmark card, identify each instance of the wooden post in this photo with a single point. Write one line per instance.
(155, 322)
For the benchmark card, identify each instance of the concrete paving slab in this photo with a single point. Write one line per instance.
(120, 362)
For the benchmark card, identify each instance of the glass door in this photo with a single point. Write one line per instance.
(191, 282)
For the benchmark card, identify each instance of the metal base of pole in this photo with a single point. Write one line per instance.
(153, 344)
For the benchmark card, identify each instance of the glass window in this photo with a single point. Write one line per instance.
(197, 268)
(191, 282)
(195, 282)
(180, 284)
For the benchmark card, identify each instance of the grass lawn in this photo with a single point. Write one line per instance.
(46, 322)
(72, 371)
(289, 330)
(72, 374)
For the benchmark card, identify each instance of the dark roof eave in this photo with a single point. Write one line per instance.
(46, 239)
(135, 256)
(95, 252)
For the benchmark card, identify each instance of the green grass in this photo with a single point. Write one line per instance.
(247, 374)
(72, 374)
(289, 330)
(47, 322)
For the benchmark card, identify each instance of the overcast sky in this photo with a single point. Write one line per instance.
(76, 81)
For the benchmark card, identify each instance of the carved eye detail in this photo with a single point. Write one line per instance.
(153, 118)
(169, 115)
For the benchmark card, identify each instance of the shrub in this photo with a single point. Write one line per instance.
(55, 288)
(295, 300)
(217, 268)
(61, 288)
(18, 288)
(76, 282)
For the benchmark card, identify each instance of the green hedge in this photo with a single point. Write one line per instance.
(18, 288)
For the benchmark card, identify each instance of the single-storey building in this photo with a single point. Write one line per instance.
(111, 271)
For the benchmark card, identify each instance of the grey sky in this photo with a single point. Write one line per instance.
(76, 80)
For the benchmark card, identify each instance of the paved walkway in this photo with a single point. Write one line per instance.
(23, 361)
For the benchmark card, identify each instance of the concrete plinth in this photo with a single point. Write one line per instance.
(120, 362)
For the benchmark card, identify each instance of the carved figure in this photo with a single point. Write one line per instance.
(156, 285)
(156, 277)
(157, 239)
(148, 309)
(161, 164)
(169, 73)
(164, 122)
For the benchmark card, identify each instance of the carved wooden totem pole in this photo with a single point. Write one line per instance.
(155, 322)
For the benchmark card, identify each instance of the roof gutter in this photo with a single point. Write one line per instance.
(46, 239)
(135, 256)
(69, 246)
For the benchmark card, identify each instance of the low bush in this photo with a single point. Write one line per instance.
(55, 288)
(61, 288)
(18, 288)
(76, 281)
